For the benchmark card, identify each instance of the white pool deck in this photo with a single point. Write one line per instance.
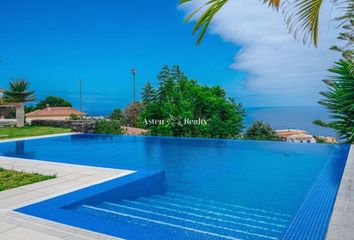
(69, 177)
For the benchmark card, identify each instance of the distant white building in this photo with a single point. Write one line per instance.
(301, 138)
(295, 135)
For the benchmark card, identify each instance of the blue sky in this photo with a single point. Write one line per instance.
(55, 43)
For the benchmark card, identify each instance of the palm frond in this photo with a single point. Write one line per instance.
(347, 6)
(18, 93)
(339, 99)
(212, 8)
(273, 3)
(302, 18)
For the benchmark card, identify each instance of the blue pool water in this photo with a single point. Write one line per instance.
(210, 189)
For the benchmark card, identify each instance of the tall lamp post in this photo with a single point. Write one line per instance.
(133, 71)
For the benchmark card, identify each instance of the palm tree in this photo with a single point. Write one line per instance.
(301, 16)
(339, 99)
(18, 94)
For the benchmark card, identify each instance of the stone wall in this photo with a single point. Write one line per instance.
(86, 126)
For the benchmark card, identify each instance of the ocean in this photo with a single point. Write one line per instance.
(291, 118)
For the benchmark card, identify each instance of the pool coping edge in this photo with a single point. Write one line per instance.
(342, 218)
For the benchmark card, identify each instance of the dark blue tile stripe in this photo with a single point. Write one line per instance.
(312, 219)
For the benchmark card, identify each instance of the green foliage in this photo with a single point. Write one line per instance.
(17, 95)
(320, 123)
(346, 49)
(176, 73)
(302, 18)
(18, 92)
(185, 108)
(109, 127)
(53, 102)
(148, 94)
(212, 7)
(261, 131)
(74, 117)
(132, 113)
(29, 109)
(164, 74)
(339, 99)
(118, 115)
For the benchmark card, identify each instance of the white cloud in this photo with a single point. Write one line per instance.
(280, 68)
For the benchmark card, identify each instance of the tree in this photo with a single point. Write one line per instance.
(162, 77)
(148, 94)
(261, 131)
(53, 102)
(176, 73)
(118, 115)
(29, 109)
(18, 94)
(192, 110)
(49, 101)
(131, 113)
(164, 74)
(301, 16)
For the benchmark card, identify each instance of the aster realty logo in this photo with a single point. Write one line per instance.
(176, 121)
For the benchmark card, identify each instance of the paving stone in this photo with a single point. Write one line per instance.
(4, 226)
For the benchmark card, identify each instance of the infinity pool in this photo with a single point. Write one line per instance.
(209, 189)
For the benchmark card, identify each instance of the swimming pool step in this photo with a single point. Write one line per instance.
(227, 206)
(217, 211)
(193, 220)
(195, 230)
(193, 217)
(148, 228)
(199, 215)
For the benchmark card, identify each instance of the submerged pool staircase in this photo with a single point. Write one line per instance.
(176, 216)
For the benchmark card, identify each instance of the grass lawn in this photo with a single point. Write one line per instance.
(11, 179)
(29, 131)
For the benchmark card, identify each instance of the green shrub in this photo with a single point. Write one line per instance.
(261, 131)
(109, 127)
(118, 115)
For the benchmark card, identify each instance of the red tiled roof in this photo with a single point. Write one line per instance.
(55, 112)
(288, 133)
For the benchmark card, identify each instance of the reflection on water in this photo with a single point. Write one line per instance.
(19, 148)
(98, 137)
